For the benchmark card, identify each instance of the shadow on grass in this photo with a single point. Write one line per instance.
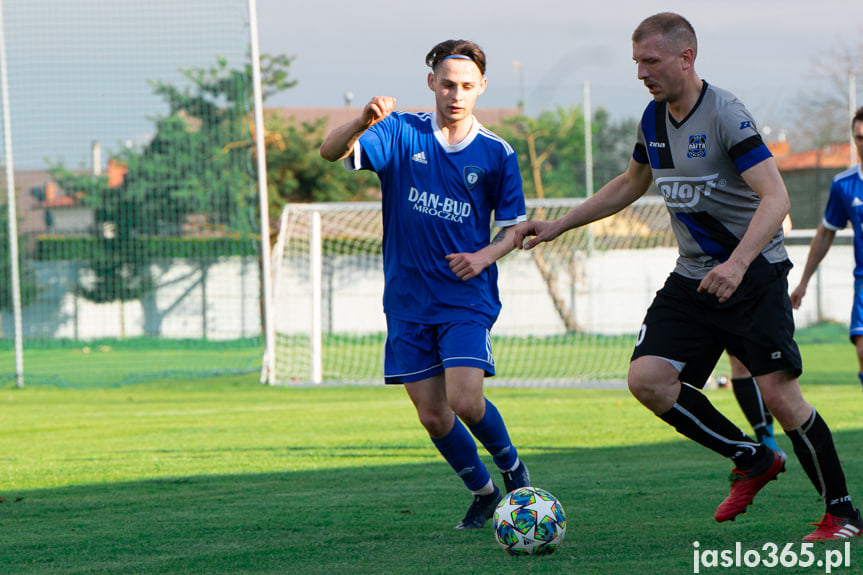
(629, 509)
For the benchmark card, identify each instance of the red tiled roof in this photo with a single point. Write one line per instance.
(337, 116)
(831, 156)
(779, 149)
(59, 202)
(32, 218)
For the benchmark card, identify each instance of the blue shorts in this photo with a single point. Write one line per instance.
(857, 310)
(415, 351)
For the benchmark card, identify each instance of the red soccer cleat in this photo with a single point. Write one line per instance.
(745, 483)
(833, 527)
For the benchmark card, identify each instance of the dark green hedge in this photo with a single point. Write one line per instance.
(59, 248)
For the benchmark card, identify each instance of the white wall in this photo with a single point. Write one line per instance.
(607, 293)
(221, 302)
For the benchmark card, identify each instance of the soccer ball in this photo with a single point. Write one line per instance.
(529, 521)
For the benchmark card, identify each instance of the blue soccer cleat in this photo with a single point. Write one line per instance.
(480, 510)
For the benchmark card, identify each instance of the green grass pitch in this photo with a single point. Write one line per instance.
(229, 476)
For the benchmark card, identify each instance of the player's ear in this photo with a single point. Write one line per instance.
(688, 58)
(482, 85)
(431, 81)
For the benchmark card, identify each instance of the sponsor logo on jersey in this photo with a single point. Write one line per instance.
(656, 144)
(747, 124)
(680, 192)
(856, 202)
(420, 157)
(473, 176)
(439, 207)
(697, 146)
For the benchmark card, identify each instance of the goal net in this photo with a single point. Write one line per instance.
(571, 308)
(136, 192)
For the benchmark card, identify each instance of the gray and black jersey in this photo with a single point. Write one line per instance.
(696, 166)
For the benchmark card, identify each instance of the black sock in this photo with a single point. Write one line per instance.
(751, 402)
(813, 445)
(695, 417)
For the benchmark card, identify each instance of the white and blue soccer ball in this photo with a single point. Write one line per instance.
(529, 521)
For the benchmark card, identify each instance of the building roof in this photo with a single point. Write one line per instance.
(832, 156)
(488, 117)
(29, 184)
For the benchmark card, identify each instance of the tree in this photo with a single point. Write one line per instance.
(29, 288)
(198, 163)
(551, 150)
(822, 113)
(275, 74)
(613, 143)
(296, 173)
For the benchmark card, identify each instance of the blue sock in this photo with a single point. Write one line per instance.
(860, 376)
(491, 432)
(459, 450)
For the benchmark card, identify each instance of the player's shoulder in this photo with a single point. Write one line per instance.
(402, 125)
(649, 111)
(723, 104)
(420, 120)
(492, 139)
(719, 96)
(853, 175)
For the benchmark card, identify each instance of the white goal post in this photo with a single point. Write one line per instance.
(571, 308)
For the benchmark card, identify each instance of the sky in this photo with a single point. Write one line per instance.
(80, 71)
(761, 50)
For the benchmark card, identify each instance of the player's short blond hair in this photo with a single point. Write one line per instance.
(674, 29)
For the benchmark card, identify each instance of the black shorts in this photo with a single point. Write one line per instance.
(756, 324)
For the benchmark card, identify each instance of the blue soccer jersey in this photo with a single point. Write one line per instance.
(846, 204)
(438, 199)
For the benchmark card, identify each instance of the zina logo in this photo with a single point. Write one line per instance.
(685, 192)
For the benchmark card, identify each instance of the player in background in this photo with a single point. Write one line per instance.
(443, 175)
(752, 403)
(748, 395)
(729, 290)
(844, 205)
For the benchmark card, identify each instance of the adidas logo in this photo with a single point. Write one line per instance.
(856, 202)
(420, 157)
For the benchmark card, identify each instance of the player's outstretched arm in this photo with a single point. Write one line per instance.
(339, 144)
(610, 199)
(470, 265)
(817, 250)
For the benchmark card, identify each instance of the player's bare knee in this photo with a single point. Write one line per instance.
(781, 392)
(435, 422)
(792, 415)
(656, 395)
(469, 409)
(636, 387)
